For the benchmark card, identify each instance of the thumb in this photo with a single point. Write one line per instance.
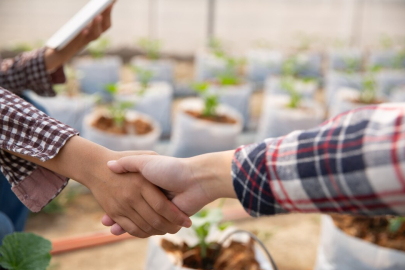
(132, 164)
(115, 167)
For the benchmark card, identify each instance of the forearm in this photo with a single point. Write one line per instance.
(350, 164)
(78, 159)
(213, 172)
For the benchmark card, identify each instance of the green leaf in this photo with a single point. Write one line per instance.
(98, 48)
(25, 251)
(111, 88)
(395, 224)
(151, 47)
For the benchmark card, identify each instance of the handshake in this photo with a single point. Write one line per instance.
(155, 195)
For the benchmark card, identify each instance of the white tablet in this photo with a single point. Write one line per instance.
(75, 25)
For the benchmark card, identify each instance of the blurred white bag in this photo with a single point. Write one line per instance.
(398, 94)
(237, 97)
(306, 89)
(192, 136)
(155, 102)
(68, 110)
(310, 64)
(162, 69)
(278, 120)
(387, 80)
(386, 59)
(119, 142)
(263, 63)
(339, 251)
(158, 259)
(345, 59)
(97, 73)
(335, 80)
(207, 66)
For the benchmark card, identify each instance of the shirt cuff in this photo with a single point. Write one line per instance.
(252, 181)
(39, 188)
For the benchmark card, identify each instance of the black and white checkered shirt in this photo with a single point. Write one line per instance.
(28, 131)
(353, 163)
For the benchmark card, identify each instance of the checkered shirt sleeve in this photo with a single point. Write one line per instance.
(26, 130)
(28, 71)
(353, 163)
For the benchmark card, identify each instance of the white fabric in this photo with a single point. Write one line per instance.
(338, 251)
(122, 142)
(192, 136)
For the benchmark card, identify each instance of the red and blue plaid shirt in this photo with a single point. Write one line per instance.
(353, 163)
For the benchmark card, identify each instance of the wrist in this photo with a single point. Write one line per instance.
(213, 173)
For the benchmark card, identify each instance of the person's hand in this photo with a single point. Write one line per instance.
(100, 24)
(189, 183)
(138, 206)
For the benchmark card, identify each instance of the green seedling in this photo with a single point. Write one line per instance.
(351, 64)
(144, 76)
(230, 75)
(25, 251)
(22, 47)
(399, 60)
(203, 222)
(99, 47)
(288, 84)
(386, 41)
(368, 92)
(151, 47)
(210, 99)
(395, 224)
(215, 46)
(117, 109)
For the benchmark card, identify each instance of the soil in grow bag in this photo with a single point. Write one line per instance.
(137, 126)
(237, 256)
(213, 118)
(375, 230)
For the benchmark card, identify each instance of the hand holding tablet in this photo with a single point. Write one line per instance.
(87, 25)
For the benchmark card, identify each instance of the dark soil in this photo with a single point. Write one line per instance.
(237, 256)
(358, 101)
(374, 230)
(217, 118)
(108, 125)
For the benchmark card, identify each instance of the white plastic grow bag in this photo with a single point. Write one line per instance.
(338, 251)
(158, 258)
(237, 97)
(121, 142)
(338, 59)
(192, 136)
(306, 89)
(162, 69)
(207, 66)
(97, 73)
(385, 58)
(398, 94)
(310, 64)
(68, 110)
(262, 64)
(278, 120)
(388, 80)
(155, 102)
(344, 101)
(336, 80)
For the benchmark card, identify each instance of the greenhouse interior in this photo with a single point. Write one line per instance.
(275, 125)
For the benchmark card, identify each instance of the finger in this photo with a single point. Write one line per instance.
(140, 219)
(165, 208)
(115, 167)
(106, 24)
(117, 229)
(107, 221)
(96, 28)
(130, 227)
(132, 163)
(156, 221)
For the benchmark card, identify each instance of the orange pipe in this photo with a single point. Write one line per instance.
(105, 237)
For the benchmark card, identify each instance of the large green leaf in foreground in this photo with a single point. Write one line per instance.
(25, 251)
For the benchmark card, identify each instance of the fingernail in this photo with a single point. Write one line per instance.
(111, 162)
(187, 223)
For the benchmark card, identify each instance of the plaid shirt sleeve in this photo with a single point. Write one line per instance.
(28, 71)
(353, 163)
(26, 130)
